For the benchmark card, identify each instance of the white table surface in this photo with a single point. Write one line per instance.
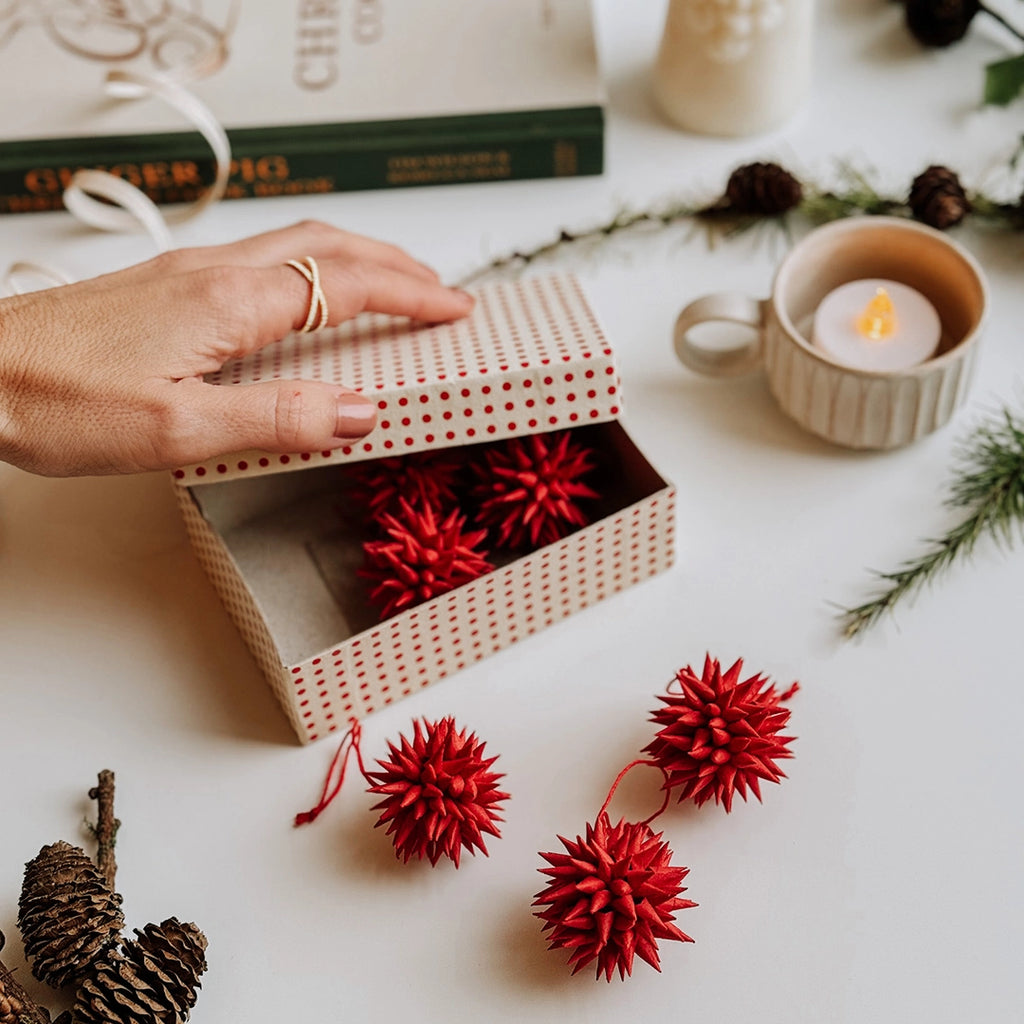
(880, 882)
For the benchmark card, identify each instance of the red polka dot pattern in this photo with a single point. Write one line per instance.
(530, 353)
(434, 640)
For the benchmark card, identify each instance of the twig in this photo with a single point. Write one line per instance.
(105, 829)
(990, 485)
(18, 1002)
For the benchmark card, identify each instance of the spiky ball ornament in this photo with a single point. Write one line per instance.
(424, 480)
(720, 736)
(421, 557)
(529, 489)
(440, 795)
(612, 896)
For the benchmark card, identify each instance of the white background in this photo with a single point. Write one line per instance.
(880, 882)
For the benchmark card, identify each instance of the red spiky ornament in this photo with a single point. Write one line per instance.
(529, 489)
(613, 895)
(719, 736)
(421, 556)
(424, 480)
(440, 794)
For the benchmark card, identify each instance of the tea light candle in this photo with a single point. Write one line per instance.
(876, 324)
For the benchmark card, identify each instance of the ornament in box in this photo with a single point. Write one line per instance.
(422, 480)
(530, 359)
(421, 557)
(529, 490)
(441, 795)
(719, 736)
(613, 895)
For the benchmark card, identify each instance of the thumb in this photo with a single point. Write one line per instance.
(275, 416)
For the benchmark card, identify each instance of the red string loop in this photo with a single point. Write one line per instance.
(336, 772)
(621, 776)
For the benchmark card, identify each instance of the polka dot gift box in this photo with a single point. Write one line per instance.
(283, 539)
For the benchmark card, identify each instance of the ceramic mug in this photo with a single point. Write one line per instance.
(848, 406)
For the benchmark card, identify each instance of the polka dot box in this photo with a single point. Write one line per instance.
(269, 531)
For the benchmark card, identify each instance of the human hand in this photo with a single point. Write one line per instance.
(106, 375)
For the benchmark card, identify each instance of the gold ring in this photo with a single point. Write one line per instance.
(317, 315)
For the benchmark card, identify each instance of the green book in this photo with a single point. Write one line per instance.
(315, 95)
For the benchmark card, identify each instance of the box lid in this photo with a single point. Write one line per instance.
(529, 358)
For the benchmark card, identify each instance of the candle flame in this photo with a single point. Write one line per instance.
(878, 320)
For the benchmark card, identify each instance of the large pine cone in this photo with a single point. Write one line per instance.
(67, 914)
(762, 190)
(937, 198)
(940, 22)
(152, 980)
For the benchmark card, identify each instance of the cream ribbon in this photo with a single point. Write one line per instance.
(132, 208)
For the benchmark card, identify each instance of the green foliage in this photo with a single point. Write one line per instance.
(989, 488)
(1004, 80)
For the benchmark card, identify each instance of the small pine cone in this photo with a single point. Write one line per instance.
(151, 980)
(937, 198)
(11, 1005)
(940, 22)
(67, 914)
(762, 190)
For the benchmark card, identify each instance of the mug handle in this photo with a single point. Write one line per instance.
(732, 307)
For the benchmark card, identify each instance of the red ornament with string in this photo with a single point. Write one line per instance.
(613, 894)
(440, 792)
(720, 736)
(529, 489)
(422, 556)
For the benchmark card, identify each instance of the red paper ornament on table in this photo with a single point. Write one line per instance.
(424, 480)
(422, 557)
(720, 736)
(613, 895)
(529, 489)
(440, 793)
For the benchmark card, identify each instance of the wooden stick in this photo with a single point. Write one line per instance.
(106, 826)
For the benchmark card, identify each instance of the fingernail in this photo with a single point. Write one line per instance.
(467, 300)
(356, 416)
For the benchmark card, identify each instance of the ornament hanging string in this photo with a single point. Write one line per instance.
(622, 775)
(336, 772)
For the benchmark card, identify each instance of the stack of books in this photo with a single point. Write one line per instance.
(315, 97)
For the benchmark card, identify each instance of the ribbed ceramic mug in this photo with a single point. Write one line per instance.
(852, 407)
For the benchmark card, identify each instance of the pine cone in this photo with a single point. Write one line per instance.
(151, 980)
(940, 22)
(67, 914)
(762, 190)
(937, 198)
(11, 1005)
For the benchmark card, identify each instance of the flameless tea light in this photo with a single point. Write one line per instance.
(876, 324)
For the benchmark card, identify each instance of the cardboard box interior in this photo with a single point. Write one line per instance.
(297, 544)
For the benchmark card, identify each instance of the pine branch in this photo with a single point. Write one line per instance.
(989, 485)
(854, 195)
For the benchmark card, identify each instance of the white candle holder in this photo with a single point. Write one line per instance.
(856, 408)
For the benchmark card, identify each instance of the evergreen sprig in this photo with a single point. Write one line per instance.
(854, 195)
(989, 486)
